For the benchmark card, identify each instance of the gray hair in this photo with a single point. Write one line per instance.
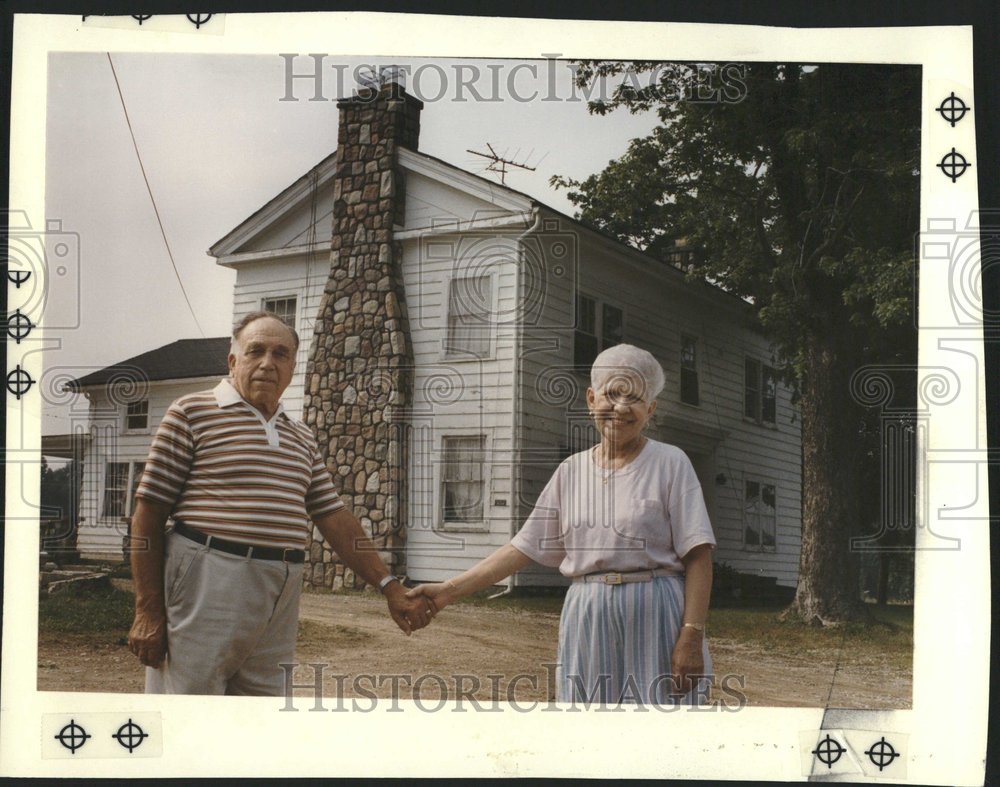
(631, 360)
(260, 315)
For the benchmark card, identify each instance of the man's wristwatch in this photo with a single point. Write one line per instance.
(696, 626)
(384, 582)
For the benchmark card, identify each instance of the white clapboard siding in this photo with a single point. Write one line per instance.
(98, 536)
(659, 306)
(453, 396)
(552, 415)
(433, 203)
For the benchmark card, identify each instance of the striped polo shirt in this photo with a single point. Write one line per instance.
(230, 473)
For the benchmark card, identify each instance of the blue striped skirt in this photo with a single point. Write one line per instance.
(616, 642)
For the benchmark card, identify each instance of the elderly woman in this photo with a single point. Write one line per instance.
(626, 522)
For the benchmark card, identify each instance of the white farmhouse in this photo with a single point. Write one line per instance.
(444, 346)
(125, 403)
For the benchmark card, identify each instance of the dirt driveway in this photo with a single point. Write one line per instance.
(483, 653)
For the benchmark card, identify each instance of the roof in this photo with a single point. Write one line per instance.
(285, 200)
(183, 359)
(325, 170)
(298, 190)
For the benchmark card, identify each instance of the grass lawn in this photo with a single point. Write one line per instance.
(101, 610)
(889, 633)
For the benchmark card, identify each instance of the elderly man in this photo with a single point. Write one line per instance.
(217, 596)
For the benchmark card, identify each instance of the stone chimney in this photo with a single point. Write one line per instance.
(359, 377)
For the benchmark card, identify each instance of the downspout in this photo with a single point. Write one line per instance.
(515, 478)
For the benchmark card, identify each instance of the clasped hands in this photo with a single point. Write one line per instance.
(414, 609)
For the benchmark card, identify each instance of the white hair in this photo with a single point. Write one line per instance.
(627, 359)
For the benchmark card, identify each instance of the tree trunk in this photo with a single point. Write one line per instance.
(884, 565)
(829, 571)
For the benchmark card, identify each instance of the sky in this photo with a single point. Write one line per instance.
(217, 141)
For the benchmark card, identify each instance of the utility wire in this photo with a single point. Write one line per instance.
(311, 240)
(151, 199)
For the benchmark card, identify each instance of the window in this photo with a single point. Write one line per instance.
(470, 307)
(681, 256)
(137, 415)
(769, 394)
(592, 336)
(760, 392)
(751, 388)
(585, 340)
(283, 307)
(612, 326)
(462, 487)
(689, 369)
(120, 482)
(759, 517)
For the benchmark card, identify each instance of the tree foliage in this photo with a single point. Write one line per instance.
(59, 490)
(59, 497)
(799, 189)
(802, 195)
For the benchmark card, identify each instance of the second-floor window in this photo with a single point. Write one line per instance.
(599, 325)
(283, 307)
(760, 392)
(137, 415)
(689, 369)
(470, 301)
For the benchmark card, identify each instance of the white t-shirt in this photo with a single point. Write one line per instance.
(646, 515)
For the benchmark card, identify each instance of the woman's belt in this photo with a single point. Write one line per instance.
(618, 577)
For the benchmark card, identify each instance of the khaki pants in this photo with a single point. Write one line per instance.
(230, 622)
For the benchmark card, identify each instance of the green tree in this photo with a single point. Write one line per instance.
(799, 189)
(60, 490)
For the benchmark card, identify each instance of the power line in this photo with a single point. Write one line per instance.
(149, 190)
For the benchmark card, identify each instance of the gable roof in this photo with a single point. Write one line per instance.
(501, 195)
(300, 190)
(183, 359)
(278, 206)
(488, 190)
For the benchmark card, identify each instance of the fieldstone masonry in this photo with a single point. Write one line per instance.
(359, 375)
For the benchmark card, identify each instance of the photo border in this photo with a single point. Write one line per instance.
(937, 746)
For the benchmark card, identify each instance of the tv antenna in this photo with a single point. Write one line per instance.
(499, 163)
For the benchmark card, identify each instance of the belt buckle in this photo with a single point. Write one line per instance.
(612, 579)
